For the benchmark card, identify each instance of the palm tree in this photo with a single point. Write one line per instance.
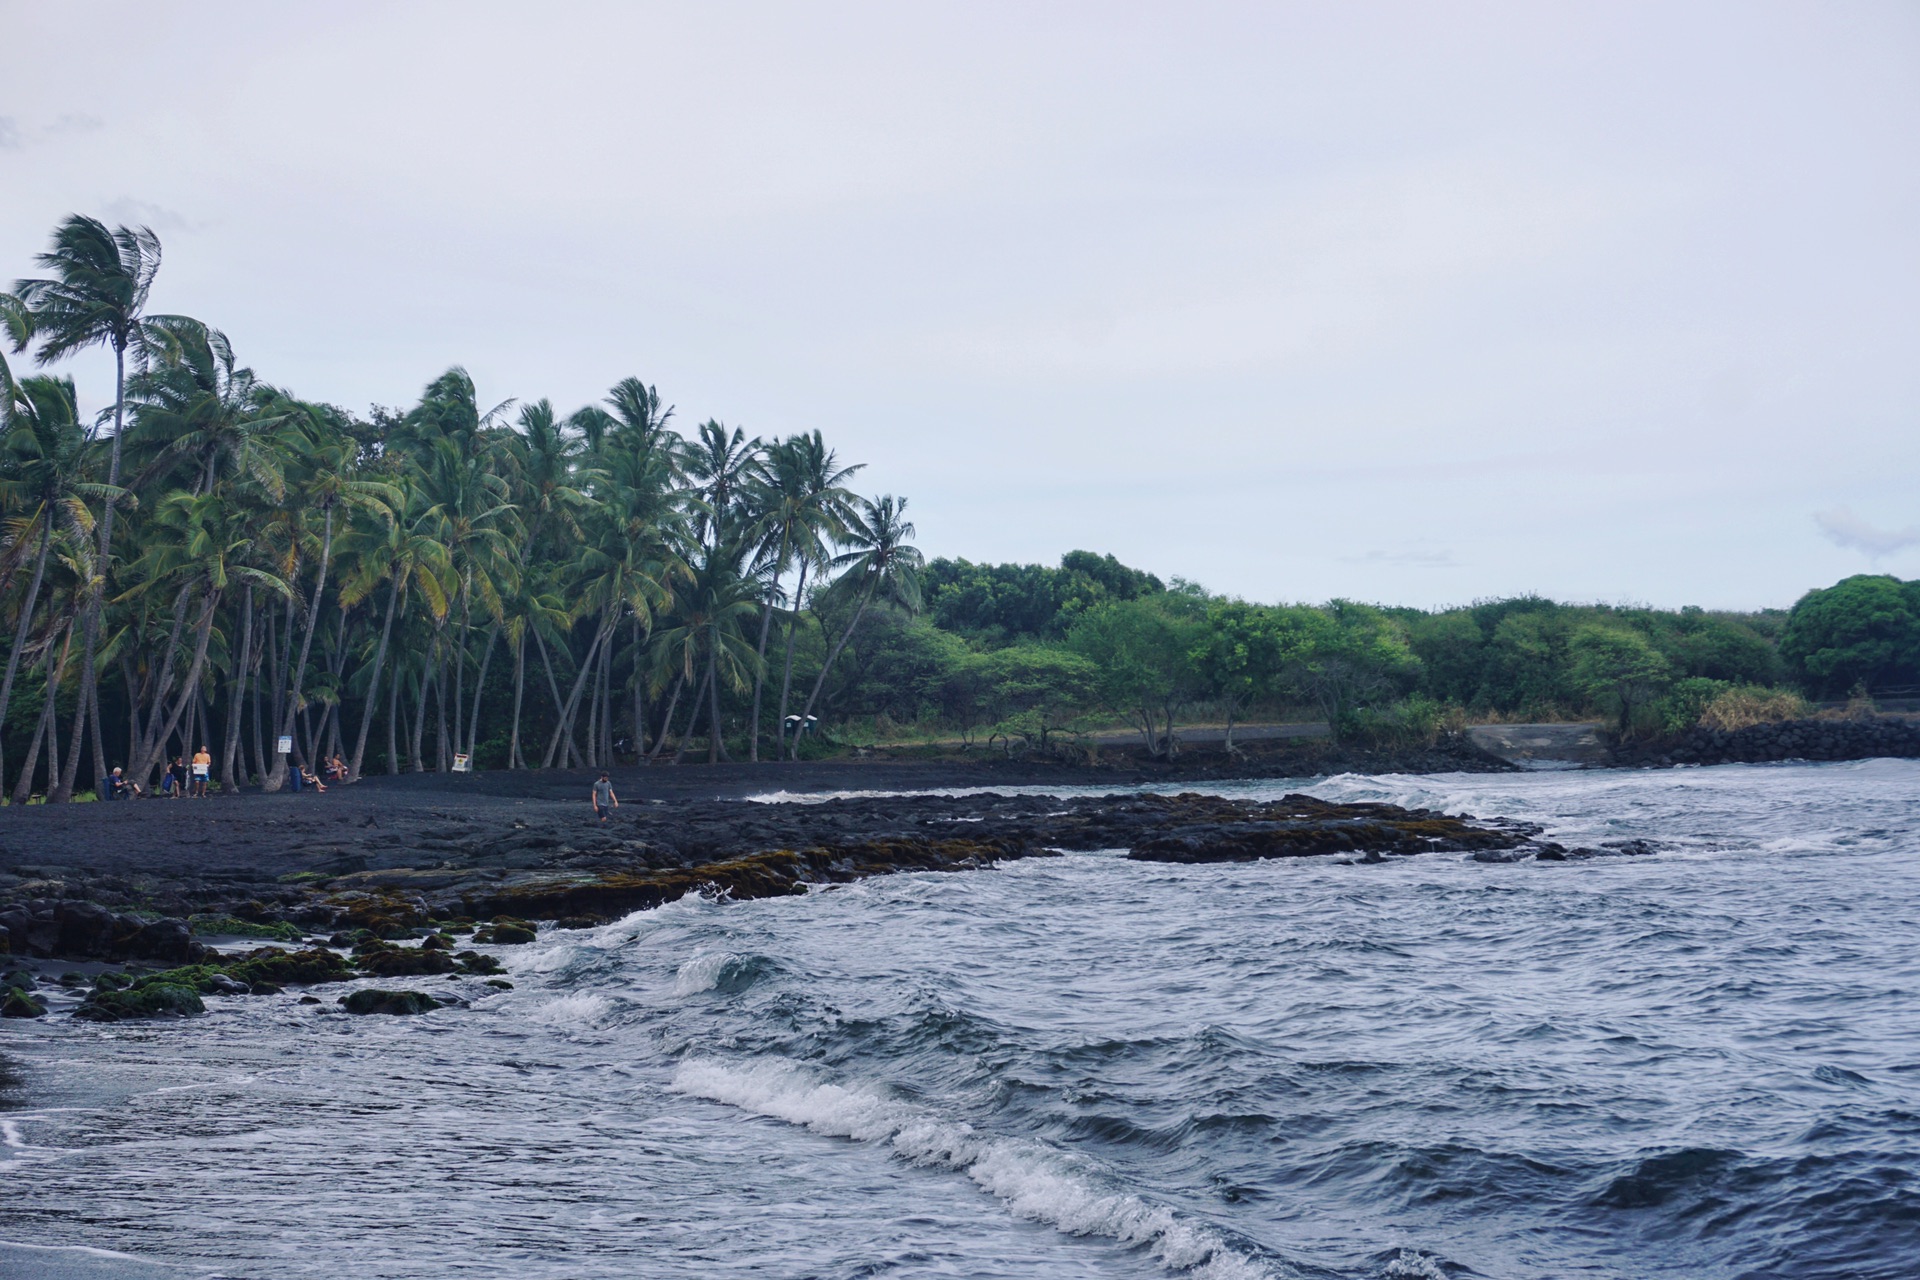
(880, 562)
(209, 540)
(97, 295)
(389, 546)
(327, 481)
(802, 500)
(42, 462)
(197, 408)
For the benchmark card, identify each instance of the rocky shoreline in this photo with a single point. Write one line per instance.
(1867, 738)
(162, 902)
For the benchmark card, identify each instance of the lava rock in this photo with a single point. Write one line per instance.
(18, 1004)
(399, 1003)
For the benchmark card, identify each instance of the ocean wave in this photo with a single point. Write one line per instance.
(1034, 1181)
(727, 972)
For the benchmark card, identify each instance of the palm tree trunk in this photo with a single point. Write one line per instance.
(460, 664)
(393, 724)
(666, 721)
(416, 757)
(128, 683)
(479, 684)
(56, 672)
(766, 629)
(559, 703)
(786, 676)
(606, 695)
(279, 775)
(693, 718)
(373, 685)
(639, 696)
(716, 750)
(866, 598)
(259, 743)
(236, 694)
(519, 688)
(282, 659)
(189, 694)
(99, 742)
(26, 622)
(163, 684)
(593, 721)
(440, 742)
(567, 713)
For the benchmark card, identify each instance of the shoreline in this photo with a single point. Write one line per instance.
(144, 886)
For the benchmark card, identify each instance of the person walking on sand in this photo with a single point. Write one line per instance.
(604, 801)
(202, 771)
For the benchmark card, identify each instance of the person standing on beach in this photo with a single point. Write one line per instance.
(202, 770)
(604, 801)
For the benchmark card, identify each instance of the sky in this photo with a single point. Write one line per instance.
(1410, 303)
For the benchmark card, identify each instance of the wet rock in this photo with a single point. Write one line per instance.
(1302, 826)
(386, 961)
(400, 1003)
(309, 1000)
(152, 1000)
(506, 931)
(19, 1004)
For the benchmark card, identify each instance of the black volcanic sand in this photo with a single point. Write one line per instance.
(391, 856)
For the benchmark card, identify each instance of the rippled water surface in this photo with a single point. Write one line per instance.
(1704, 1063)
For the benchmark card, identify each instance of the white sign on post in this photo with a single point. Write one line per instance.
(286, 745)
(461, 764)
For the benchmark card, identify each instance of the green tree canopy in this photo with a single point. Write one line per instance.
(1861, 630)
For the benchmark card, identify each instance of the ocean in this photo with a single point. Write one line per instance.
(1700, 1063)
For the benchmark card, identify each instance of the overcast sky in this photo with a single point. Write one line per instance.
(1412, 303)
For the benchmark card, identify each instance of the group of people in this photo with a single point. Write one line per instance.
(181, 778)
(332, 769)
(192, 778)
(184, 779)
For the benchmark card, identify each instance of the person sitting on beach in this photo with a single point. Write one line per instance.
(121, 787)
(308, 779)
(604, 801)
(202, 771)
(336, 769)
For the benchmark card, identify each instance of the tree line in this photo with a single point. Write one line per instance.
(215, 561)
(219, 562)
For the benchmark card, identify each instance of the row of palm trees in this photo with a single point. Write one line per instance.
(218, 561)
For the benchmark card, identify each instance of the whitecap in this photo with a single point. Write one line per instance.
(1034, 1181)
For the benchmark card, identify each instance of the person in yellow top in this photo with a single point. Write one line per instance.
(202, 771)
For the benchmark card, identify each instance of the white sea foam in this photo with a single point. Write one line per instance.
(576, 1011)
(1033, 1180)
(702, 973)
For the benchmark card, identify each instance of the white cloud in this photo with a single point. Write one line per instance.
(1845, 529)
